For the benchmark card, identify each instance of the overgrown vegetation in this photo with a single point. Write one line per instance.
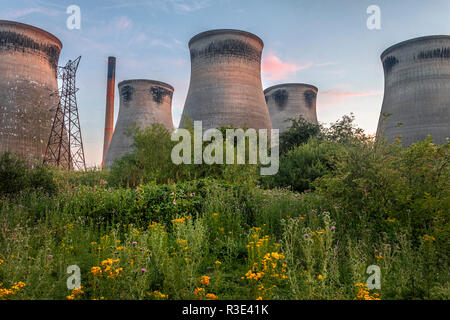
(148, 229)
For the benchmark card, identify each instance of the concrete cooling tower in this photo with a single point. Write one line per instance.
(225, 87)
(291, 100)
(417, 90)
(142, 103)
(28, 88)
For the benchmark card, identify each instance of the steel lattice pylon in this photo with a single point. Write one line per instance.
(65, 146)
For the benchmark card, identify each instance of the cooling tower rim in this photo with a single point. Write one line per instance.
(283, 85)
(224, 31)
(35, 29)
(156, 82)
(412, 41)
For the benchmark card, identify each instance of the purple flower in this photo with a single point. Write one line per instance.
(388, 245)
(134, 243)
(333, 228)
(144, 270)
(50, 256)
(306, 235)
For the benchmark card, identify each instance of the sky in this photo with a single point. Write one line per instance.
(325, 43)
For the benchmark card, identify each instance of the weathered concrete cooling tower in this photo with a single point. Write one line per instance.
(28, 88)
(417, 90)
(225, 87)
(142, 103)
(291, 100)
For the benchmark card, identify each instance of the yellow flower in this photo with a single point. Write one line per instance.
(204, 280)
(211, 296)
(198, 291)
(259, 298)
(320, 277)
(218, 262)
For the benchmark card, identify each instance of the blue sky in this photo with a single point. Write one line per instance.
(324, 42)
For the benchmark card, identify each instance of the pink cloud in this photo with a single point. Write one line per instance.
(123, 23)
(276, 69)
(21, 13)
(337, 95)
(349, 94)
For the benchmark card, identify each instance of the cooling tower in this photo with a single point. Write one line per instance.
(291, 100)
(142, 103)
(225, 87)
(417, 90)
(28, 88)
(109, 114)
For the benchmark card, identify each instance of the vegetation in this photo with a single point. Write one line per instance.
(148, 229)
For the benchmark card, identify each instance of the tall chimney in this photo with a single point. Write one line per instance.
(109, 116)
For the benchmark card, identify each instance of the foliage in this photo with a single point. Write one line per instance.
(298, 133)
(300, 166)
(206, 235)
(16, 175)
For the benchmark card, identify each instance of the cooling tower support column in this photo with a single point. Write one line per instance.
(109, 115)
(417, 90)
(28, 88)
(291, 100)
(142, 103)
(225, 87)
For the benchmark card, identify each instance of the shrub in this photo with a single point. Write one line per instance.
(300, 166)
(13, 174)
(298, 133)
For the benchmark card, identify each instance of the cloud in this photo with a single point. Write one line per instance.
(15, 14)
(276, 69)
(189, 5)
(349, 94)
(123, 23)
(179, 6)
(336, 96)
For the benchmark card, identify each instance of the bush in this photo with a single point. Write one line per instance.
(298, 133)
(13, 174)
(302, 165)
(16, 176)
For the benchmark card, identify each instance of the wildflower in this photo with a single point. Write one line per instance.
(306, 235)
(204, 280)
(259, 298)
(198, 291)
(50, 256)
(178, 220)
(134, 243)
(144, 270)
(333, 228)
(211, 296)
(320, 277)
(218, 262)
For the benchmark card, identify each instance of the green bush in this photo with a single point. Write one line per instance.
(16, 175)
(302, 165)
(13, 174)
(298, 133)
